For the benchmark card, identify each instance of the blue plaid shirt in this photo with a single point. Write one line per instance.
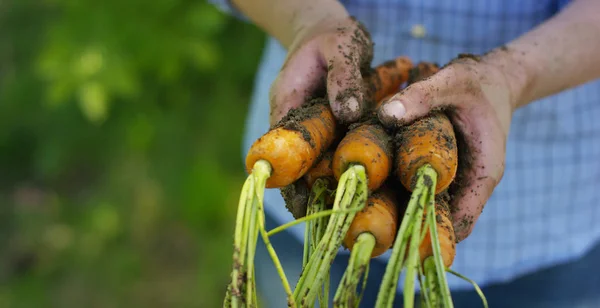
(546, 209)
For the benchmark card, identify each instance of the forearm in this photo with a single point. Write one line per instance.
(559, 54)
(282, 19)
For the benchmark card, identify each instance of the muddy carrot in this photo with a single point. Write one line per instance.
(445, 234)
(322, 170)
(293, 146)
(389, 76)
(379, 218)
(422, 71)
(371, 233)
(429, 140)
(277, 159)
(369, 145)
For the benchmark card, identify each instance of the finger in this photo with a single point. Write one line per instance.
(345, 91)
(346, 55)
(482, 165)
(418, 99)
(300, 77)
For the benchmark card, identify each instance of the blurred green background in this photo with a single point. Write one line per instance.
(120, 150)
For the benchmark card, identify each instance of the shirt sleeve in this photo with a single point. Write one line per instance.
(227, 7)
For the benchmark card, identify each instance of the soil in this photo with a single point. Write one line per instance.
(377, 134)
(465, 164)
(418, 129)
(462, 57)
(293, 119)
(443, 208)
(296, 196)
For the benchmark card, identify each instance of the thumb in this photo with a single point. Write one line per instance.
(414, 102)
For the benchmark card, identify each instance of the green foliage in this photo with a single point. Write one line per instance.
(120, 163)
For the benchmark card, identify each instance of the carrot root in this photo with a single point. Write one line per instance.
(358, 266)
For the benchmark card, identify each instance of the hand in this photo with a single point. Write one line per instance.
(479, 100)
(331, 54)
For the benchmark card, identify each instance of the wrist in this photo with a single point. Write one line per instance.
(515, 73)
(314, 17)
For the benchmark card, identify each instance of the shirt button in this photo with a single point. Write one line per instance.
(418, 31)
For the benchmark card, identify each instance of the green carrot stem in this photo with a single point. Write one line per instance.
(443, 287)
(387, 290)
(310, 271)
(307, 270)
(314, 230)
(353, 188)
(357, 265)
(309, 218)
(252, 242)
(359, 198)
(364, 285)
(320, 226)
(240, 242)
(413, 253)
(227, 300)
(432, 288)
(306, 250)
(425, 300)
(262, 170)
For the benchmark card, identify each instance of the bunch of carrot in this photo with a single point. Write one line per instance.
(350, 185)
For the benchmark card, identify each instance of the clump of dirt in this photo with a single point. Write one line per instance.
(461, 57)
(296, 197)
(427, 181)
(293, 119)
(376, 133)
(469, 56)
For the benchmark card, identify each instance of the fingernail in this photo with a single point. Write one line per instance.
(394, 109)
(352, 104)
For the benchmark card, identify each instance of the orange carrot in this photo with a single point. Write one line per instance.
(294, 144)
(389, 76)
(429, 140)
(322, 170)
(379, 218)
(369, 145)
(445, 234)
(422, 71)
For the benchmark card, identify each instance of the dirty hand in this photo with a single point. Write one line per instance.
(479, 99)
(330, 54)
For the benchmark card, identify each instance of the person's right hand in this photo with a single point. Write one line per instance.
(332, 55)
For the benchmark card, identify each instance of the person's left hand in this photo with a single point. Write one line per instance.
(479, 100)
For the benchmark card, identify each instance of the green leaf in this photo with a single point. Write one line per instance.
(93, 102)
